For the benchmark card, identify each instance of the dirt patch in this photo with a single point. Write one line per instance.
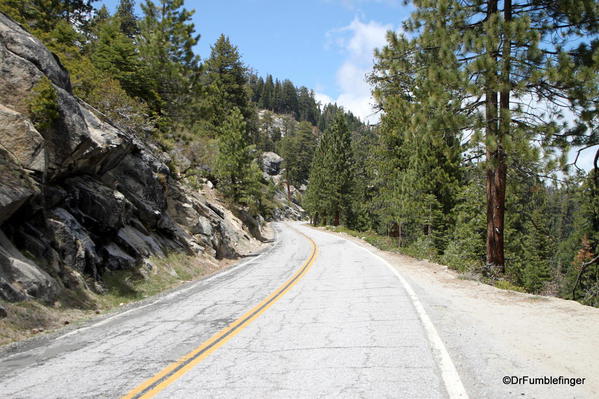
(491, 333)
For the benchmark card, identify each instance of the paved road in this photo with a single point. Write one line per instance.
(345, 327)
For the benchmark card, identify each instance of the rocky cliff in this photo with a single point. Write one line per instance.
(82, 196)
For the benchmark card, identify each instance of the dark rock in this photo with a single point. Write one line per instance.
(271, 163)
(99, 208)
(72, 242)
(115, 258)
(142, 186)
(3, 313)
(20, 278)
(137, 243)
(16, 187)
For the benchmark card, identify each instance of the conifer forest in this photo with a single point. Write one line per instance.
(483, 109)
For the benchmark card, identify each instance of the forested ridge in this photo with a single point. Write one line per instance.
(467, 167)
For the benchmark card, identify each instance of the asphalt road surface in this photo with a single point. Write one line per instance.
(313, 316)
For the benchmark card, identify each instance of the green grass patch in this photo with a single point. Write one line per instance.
(506, 285)
(381, 242)
(124, 286)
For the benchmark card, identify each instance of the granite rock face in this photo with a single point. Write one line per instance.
(82, 196)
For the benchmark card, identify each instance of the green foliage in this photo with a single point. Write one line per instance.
(582, 274)
(165, 44)
(466, 247)
(329, 195)
(114, 53)
(237, 172)
(128, 23)
(42, 16)
(43, 106)
(224, 82)
(506, 285)
(297, 149)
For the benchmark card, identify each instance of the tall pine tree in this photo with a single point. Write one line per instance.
(330, 188)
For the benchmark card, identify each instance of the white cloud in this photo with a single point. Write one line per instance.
(357, 42)
(323, 99)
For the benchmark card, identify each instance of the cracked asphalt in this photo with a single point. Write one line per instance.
(346, 329)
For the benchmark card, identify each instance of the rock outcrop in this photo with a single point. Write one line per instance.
(288, 197)
(83, 196)
(271, 163)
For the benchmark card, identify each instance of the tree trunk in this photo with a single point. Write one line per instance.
(399, 234)
(496, 160)
(336, 218)
(496, 179)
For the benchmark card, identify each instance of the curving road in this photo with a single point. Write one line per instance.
(314, 316)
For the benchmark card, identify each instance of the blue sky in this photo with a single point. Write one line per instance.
(325, 45)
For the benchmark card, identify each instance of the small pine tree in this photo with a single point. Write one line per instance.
(237, 173)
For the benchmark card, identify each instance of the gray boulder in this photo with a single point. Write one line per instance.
(16, 186)
(75, 246)
(20, 278)
(271, 163)
(115, 258)
(23, 45)
(18, 135)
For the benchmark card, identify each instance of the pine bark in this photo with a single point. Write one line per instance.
(496, 157)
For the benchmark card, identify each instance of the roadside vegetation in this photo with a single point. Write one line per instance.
(30, 318)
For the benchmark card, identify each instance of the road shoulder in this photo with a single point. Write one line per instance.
(491, 333)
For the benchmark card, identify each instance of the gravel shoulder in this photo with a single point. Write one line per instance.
(491, 333)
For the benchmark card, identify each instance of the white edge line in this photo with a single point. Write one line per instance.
(451, 378)
(173, 294)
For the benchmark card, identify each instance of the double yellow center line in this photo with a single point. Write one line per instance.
(172, 372)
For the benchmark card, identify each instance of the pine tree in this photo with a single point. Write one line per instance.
(583, 273)
(537, 248)
(266, 98)
(44, 15)
(225, 79)
(257, 92)
(498, 58)
(307, 107)
(289, 101)
(277, 97)
(237, 173)
(125, 12)
(330, 187)
(297, 150)
(166, 40)
(420, 154)
(114, 53)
